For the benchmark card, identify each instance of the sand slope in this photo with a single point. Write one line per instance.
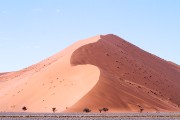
(48, 84)
(130, 77)
(102, 71)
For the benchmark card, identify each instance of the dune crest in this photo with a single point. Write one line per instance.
(130, 79)
(102, 71)
(52, 83)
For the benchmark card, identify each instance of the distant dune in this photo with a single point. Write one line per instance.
(102, 71)
(3, 73)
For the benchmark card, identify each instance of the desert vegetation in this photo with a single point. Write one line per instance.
(103, 109)
(87, 110)
(100, 110)
(141, 110)
(90, 116)
(24, 108)
(54, 109)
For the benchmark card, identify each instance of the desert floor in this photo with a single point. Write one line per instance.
(90, 116)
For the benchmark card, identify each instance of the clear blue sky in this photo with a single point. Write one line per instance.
(31, 30)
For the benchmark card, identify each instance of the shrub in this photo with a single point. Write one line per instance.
(105, 109)
(141, 110)
(54, 109)
(100, 110)
(86, 110)
(24, 108)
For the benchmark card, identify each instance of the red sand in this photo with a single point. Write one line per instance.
(102, 71)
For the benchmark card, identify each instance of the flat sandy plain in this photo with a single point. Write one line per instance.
(90, 116)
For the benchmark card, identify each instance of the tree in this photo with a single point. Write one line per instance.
(100, 110)
(24, 108)
(54, 109)
(141, 110)
(86, 110)
(105, 109)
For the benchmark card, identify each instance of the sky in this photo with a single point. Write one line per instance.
(32, 30)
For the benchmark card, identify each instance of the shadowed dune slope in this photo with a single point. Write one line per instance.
(130, 78)
(102, 71)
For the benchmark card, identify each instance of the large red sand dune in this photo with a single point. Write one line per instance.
(102, 71)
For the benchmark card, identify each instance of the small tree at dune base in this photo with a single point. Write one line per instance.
(100, 110)
(141, 110)
(105, 109)
(86, 110)
(54, 109)
(24, 108)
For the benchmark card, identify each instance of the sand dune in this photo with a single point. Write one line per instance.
(102, 71)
